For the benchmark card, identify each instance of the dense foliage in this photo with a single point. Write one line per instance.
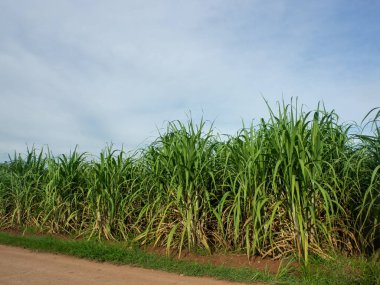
(296, 183)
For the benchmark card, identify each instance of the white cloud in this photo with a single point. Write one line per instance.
(91, 72)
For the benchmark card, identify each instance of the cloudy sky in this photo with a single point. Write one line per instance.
(95, 72)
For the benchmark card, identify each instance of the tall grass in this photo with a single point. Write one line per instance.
(297, 183)
(179, 179)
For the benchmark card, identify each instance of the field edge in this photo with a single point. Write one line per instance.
(122, 254)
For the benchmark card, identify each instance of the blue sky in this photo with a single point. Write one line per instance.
(94, 72)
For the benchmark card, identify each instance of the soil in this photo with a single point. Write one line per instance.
(230, 260)
(22, 266)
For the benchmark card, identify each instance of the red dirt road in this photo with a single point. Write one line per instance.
(22, 266)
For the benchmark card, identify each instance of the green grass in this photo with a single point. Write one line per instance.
(341, 270)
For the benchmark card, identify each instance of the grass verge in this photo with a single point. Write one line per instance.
(122, 253)
(340, 270)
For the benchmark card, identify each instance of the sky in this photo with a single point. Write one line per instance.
(91, 73)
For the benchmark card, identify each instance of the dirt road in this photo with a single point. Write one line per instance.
(22, 266)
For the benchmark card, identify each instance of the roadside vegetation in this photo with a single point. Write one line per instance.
(298, 184)
(341, 270)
